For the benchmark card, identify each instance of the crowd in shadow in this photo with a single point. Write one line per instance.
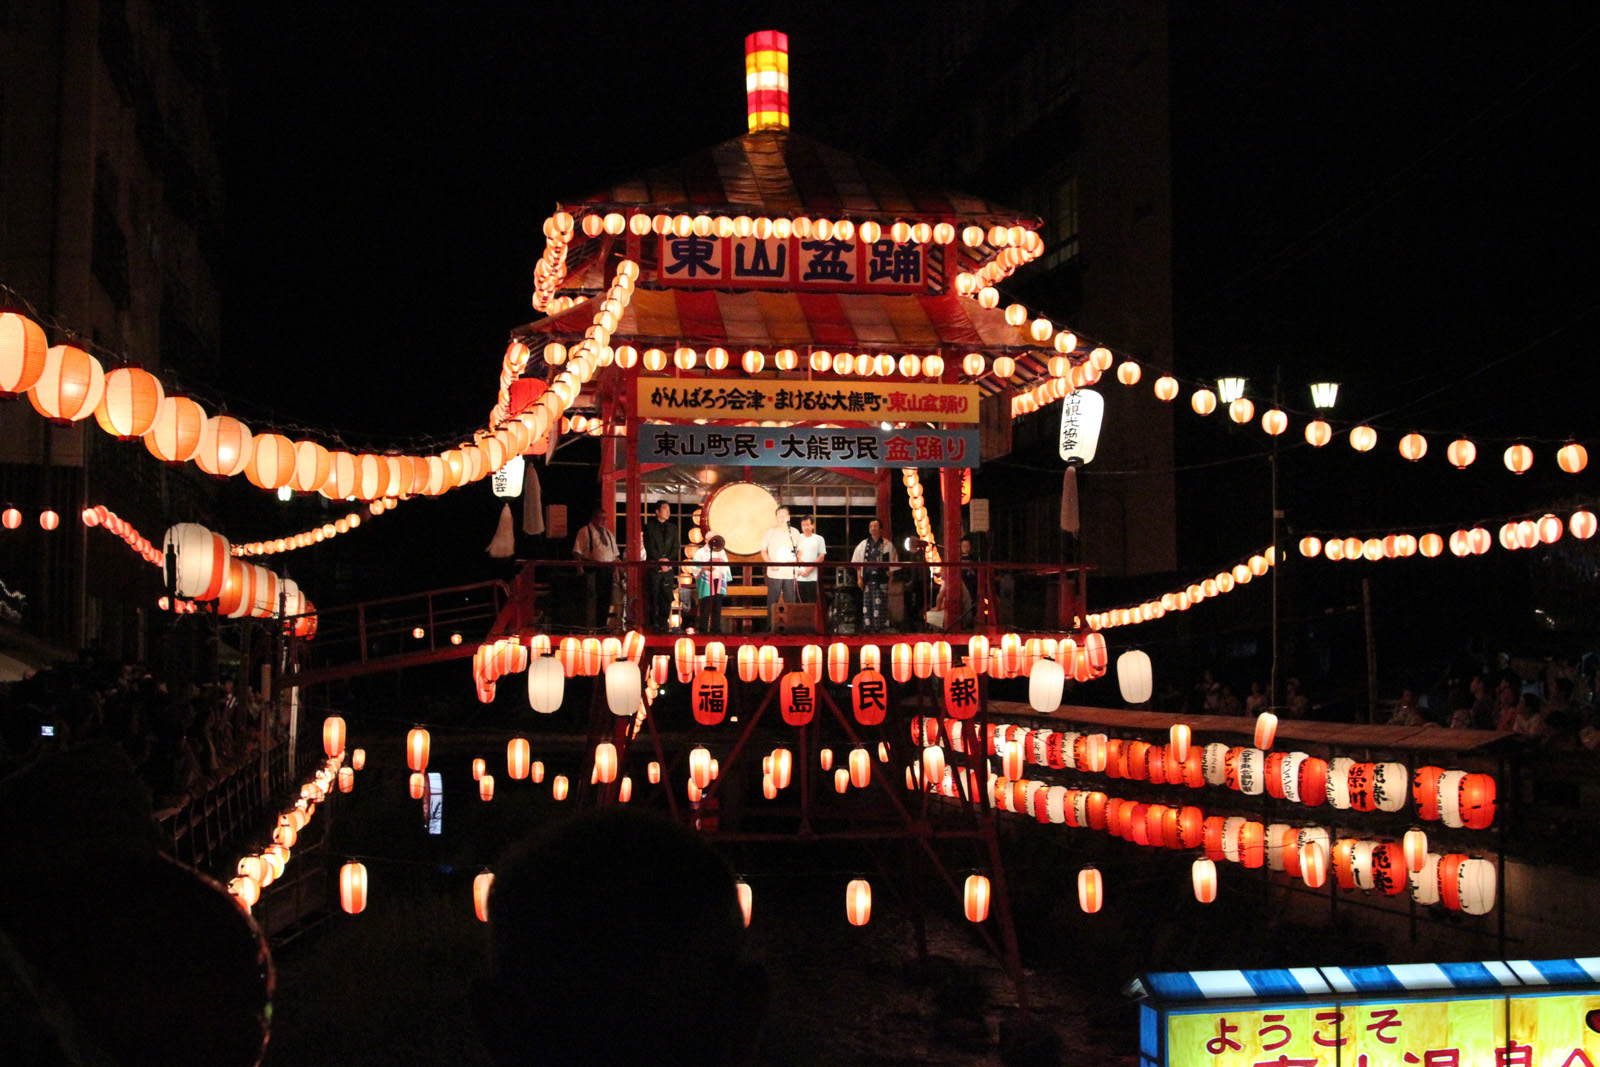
(181, 739)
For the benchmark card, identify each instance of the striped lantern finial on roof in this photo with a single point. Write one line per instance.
(766, 80)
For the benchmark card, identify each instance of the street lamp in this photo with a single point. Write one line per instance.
(1324, 394)
(1230, 389)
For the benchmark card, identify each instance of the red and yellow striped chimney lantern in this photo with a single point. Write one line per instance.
(766, 80)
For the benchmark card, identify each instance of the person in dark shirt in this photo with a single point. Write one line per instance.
(661, 543)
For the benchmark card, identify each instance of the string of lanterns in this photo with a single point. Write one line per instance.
(919, 517)
(1224, 581)
(317, 534)
(1514, 535)
(261, 868)
(102, 516)
(66, 384)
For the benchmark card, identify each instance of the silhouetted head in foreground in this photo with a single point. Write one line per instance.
(616, 938)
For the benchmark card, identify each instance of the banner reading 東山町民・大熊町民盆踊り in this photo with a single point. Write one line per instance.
(796, 401)
(762, 446)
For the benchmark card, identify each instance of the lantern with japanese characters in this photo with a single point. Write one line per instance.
(709, 698)
(869, 697)
(961, 692)
(798, 698)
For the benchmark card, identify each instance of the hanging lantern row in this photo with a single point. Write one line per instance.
(49, 519)
(1015, 245)
(919, 516)
(1459, 882)
(66, 384)
(1521, 534)
(1066, 378)
(261, 868)
(1457, 798)
(102, 516)
(317, 534)
(206, 570)
(1184, 599)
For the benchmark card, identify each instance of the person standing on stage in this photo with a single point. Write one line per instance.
(778, 546)
(711, 580)
(596, 543)
(874, 581)
(661, 544)
(810, 549)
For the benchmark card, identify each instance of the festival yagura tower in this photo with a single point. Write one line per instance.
(775, 284)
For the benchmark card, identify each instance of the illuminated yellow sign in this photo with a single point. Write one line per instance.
(798, 401)
(1553, 1030)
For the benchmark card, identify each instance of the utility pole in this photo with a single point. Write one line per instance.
(1277, 557)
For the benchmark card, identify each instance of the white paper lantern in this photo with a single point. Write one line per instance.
(202, 560)
(1275, 836)
(1339, 782)
(1232, 827)
(1045, 685)
(1082, 412)
(1134, 679)
(1425, 883)
(547, 684)
(1291, 775)
(1055, 804)
(507, 481)
(1214, 763)
(1449, 792)
(1252, 771)
(1361, 864)
(624, 687)
(1069, 741)
(1477, 880)
(1391, 785)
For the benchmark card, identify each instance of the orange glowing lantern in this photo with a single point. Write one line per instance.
(1572, 457)
(1091, 890)
(129, 404)
(1314, 864)
(417, 744)
(353, 887)
(858, 902)
(717, 656)
(975, 896)
(22, 353)
(838, 663)
(517, 757)
(1461, 453)
(1318, 433)
(1415, 846)
(486, 787)
(605, 761)
(798, 698)
(418, 785)
(1413, 446)
(558, 787)
(869, 697)
(480, 895)
(683, 656)
(1204, 874)
(769, 663)
(1518, 458)
(900, 662)
(1266, 730)
(709, 697)
(811, 663)
(1204, 401)
(70, 385)
(333, 736)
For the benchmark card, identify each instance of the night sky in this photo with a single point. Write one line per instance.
(1398, 197)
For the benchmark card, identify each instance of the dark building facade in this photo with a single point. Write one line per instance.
(110, 227)
(1059, 109)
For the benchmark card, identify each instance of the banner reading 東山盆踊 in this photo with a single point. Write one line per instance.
(797, 401)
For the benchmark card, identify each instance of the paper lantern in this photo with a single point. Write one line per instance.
(558, 787)
(683, 657)
(1046, 683)
(1314, 864)
(417, 745)
(225, 446)
(481, 884)
(961, 692)
(860, 768)
(202, 560)
(353, 887)
(1415, 847)
(479, 768)
(1266, 729)
(838, 663)
(700, 766)
(1094, 646)
(1430, 545)
(70, 385)
(1476, 803)
(900, 662)
(1475, 885)
(547, 685)
(858, 902)
(1518, 458)
(1363, 438)
(246, 889)
(922, 659)
(358, 758)
(932, 763)
(1204, 401)
(769, 663)
(780, 765)
(22, 353)
(1572, 457)
(624, 687)
(811, 662)
(825, 758)
(1204, 875)
(49, 520)
(1413, 446)
(1179, 736)
(1011, 760)
(708, 698)
(605, 761)
(1091, 890)
(333, 736)
(1461, 453)
(747, 899)
(486, 787)
(129, 403)
(517, 757)
(418, 785)
(1134, 677)
(841, 780)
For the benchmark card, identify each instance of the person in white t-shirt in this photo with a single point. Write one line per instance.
(811, 548)
(778, 546)
(596, 543)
